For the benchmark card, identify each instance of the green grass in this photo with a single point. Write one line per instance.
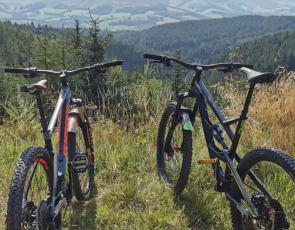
(129, 193)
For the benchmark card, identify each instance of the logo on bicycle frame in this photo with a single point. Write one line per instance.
(242, 127)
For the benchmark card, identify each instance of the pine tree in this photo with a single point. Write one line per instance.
(177, 75)
(77, 35)
(97, 44)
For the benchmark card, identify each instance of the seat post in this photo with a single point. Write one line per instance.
(241, 123)
(42, 114)
(43, 121)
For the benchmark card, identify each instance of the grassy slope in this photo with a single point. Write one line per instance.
(130, 196)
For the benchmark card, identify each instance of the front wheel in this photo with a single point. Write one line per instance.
(80, 145)
(275, 200)
(175, 163)
(31, 184)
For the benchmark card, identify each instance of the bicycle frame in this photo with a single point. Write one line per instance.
(227, 155)
(62, 113)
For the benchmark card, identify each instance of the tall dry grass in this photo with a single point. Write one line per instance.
(135, 104)
(271, 118)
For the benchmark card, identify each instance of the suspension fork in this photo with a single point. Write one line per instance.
(78, 118)
(175, 119)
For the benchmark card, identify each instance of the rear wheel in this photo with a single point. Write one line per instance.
(174, 165)
(77, 146)
(276, 171)
(31, 185)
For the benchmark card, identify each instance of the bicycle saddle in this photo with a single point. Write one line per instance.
(32, 88)
(257, 77)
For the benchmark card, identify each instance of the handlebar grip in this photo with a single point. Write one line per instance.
(112, 63)
(14, 70)
(153, 56)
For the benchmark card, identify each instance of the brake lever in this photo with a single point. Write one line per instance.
(166, 62)
(101, 70)
(156, 61)
(226, 70)
(32, 72)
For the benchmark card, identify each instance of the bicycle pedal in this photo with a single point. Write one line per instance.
(207, 162)
(80, 163)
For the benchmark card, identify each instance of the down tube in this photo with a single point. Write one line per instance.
(204, 91)
(62, 143)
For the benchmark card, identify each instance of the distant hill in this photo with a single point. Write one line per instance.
(202, 40)
(136, 14)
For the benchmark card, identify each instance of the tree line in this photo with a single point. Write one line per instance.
(70, 48)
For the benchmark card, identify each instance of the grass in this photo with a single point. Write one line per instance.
(129, 193)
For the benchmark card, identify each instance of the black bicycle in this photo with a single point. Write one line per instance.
(261, 188)
(45, 180)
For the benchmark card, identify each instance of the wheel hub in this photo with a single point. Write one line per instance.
(272, 215)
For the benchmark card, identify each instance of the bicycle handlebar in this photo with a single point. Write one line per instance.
(194, 66)
(33, 72)
(100, 67)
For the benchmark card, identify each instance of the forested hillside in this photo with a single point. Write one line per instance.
(48, 48)
(201, 40)
(252, 39)
(16, 43)
(16, 49)
(266, 53)
(132, 55)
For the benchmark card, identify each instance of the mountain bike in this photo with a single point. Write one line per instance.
(261, 188)
(44, 179)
